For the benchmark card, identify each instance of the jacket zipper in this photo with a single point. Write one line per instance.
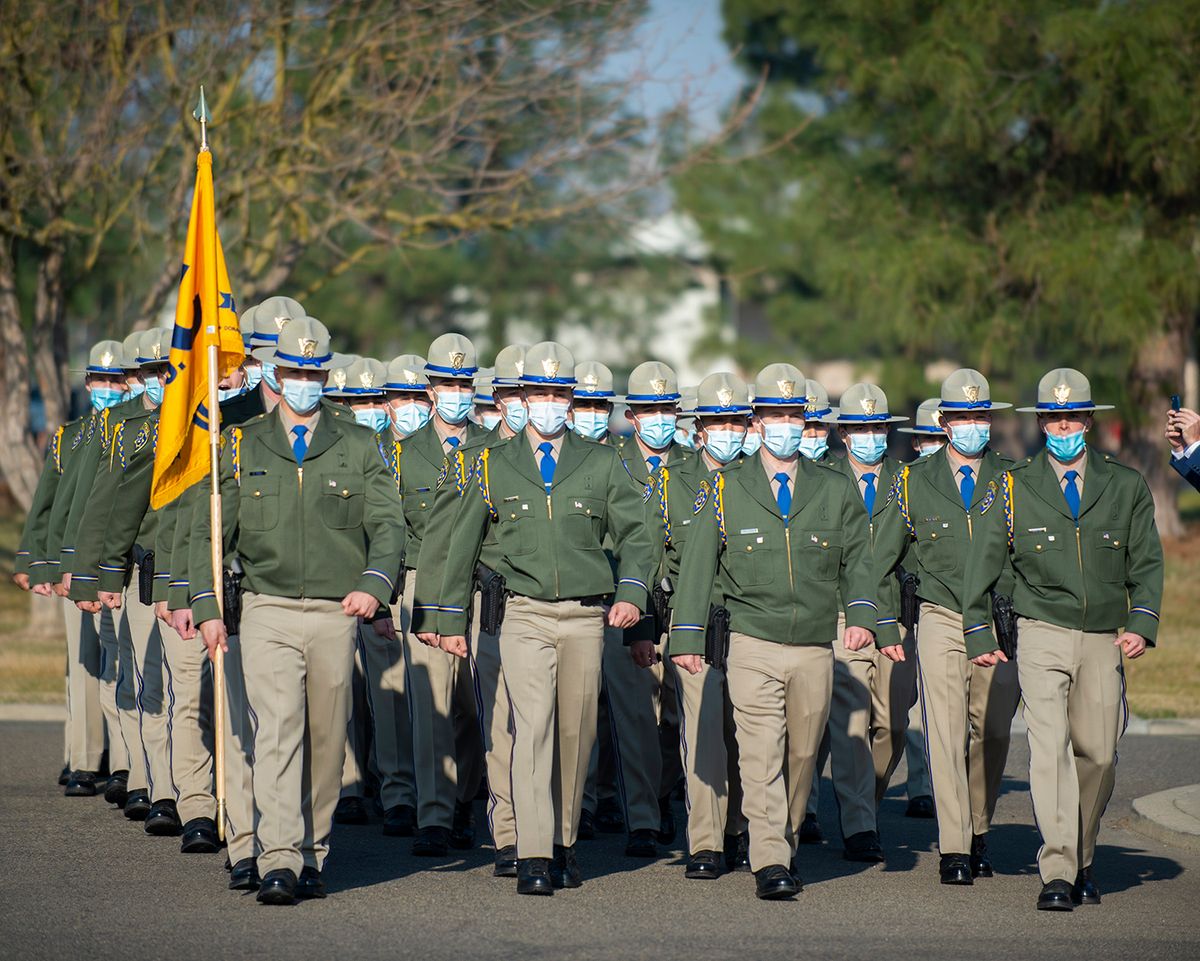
(550, 517)
(787, 543)
(1082, 579)
(300, 482)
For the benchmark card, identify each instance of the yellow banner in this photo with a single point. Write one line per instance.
(205, 316)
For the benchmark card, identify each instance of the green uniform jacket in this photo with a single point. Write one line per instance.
(779, 582)
(323, 530)
(923, 516)
(550, 546)
(31, 551)
(1099, 574)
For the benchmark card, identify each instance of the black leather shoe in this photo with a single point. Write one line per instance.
(666, 822)
(309, 885)
(864, 847)
(955, 869)
(737, 852)
(200, 837)
(810, 831)
(81, 784)
(920, 806)
(243, 876)
(981, 864)
(775, 883)
(1055, 896)
(641, 844)
(163, 819)
(506, 862)
(564, 869)
(400, 821)
(587, 826)
(462, 829)
(137, 805)
(117, 789)
(1085, 891)
(64, 776)
(350, 810)
(533, 876)
(431, 843)
(609, 819)
(278, 887)
(703, 866)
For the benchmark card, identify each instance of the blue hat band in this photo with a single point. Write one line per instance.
(264, 338)
(304, 361)
(412, 387)
(154, 360)
(460, 372)
(928, 430)
(652, 398)
(818, 413)
(104, 370)
(731, 409)
(1073, 405)
(965, 404)
(865, 418)
(800, 401)
(598, 394)
(551, 381)
(357, 390)
(505, 382)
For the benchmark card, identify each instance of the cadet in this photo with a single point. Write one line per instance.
(1078, 528)
(315, 558)
(716, 828)
(934, 506)
(486, 415)
(265, 321)
(783, 536)
(642, 703)
(559, 584)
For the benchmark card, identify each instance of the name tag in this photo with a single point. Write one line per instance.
(748, 530)
(1037, 530)
(509, 500)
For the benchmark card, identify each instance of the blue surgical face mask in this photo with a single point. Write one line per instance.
(135, 390)
(782, 440)
(224, 395)
(253, 377)
(867, 448)
(548, 416)
(927, 450)
(723, 445)
(489, 419)
(814, 448)
(752, 442)
(377, 420)
(453, 406)
(592, 424)
(302, 396)
(516, 415)
(970, 439)
(268, 374)
(410, 418)
(1065, 447)
(154, 390)
(105, 397)
(685, 437)
(656, 430)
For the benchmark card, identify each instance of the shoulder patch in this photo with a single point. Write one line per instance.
(143, 435)
(77, 440)
(989, 498)
(444, 474)
(701, 498)
(648, 491)
(892, 489)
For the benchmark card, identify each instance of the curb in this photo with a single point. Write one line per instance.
(33, 712)
(1172, 816)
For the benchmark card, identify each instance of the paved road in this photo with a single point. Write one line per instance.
(78, 881)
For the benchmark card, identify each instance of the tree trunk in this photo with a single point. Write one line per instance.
(50, 348)
(1158, 372)
(19, 456)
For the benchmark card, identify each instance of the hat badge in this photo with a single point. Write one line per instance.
(972, 393)
(787, 388)
(1062, 394)
(366, 379)
(590, 381)
(106, 359)
(457, 357)
(308, 348)
(156, 351)
(281, 322)
(550, 366)
(520, 366)
(410, 376)
(868, 406)
(339, 379)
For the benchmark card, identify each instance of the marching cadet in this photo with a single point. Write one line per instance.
(491, 693)
(716, 828)
(301, 548)
(782, 537)
(558, 584)
(485, 415)
(1077, 528)
(265, 321)
(642, 703)
(933, 509)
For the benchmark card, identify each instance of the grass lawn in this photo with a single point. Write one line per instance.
(1163, 683)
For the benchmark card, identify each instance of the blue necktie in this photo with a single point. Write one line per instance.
(300, 445)
(453, 442)
(653, 462)
(869, 493)
(1071, 492)
(967, 486)
(547, 450)
(784, 497)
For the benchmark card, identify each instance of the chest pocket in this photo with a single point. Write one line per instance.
(342, 500)
(938, 546)
(258, 504)
(583, 521)
(819, 554)
(516, 528)
(752, 558)
(1112, 555)
(1040, 557)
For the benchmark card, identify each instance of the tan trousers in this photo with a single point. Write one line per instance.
(357, 756)
(241, 815)
(85, 715)
(708, 750)
(191, 731)
(110, 673)
(780, 696)
(551, 653)
(495, 726)
(642, 711)
(917, 784)
(867, 717)
(1073, 684)
(386, 675)
(447, 753)
(601, 775)
(297, 658)
(968, 716)
(138, 634)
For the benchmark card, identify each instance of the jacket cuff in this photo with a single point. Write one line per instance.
(979, 639)
(160, 586)
(451, 620)
(379, 584)
(425, 618)
(632, 591)
(1144, 621)
(178, 595)
(112, 578)
(205, 608)
(862, 612)
(887, 632)
(686, 639)
(21, 562)
(83, 587)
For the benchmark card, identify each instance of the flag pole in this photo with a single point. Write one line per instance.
(217, 537)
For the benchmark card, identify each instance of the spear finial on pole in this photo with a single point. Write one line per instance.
(201, 114)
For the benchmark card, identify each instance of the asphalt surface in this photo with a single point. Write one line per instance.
(78, 881)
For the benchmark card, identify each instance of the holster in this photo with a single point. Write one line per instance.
(493, 599)
(231, 594)
(909, 605)
(660, 607)
(145, 565)
(716, 638)
(1005, 620)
